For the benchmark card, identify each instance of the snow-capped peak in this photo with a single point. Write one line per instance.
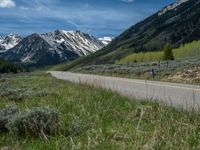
(1, 38)
(77, 41)
(106, 40)
(171, 7)
(9, 41)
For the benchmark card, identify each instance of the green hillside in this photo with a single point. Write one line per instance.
(188, 50)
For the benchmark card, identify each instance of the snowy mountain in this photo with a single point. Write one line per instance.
(81, 43)
(9, 41)
(51, 48)
(106, 40)
(1, 38)
(1, 46)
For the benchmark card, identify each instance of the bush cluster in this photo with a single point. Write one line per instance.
(10, 92)
(5, 115)
(37, 122)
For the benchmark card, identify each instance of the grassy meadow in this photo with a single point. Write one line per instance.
(189, 50)
(93, 118)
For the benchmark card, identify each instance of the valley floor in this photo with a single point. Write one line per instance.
(94, 118)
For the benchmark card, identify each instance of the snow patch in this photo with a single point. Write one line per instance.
(106, 40)
(171, 7)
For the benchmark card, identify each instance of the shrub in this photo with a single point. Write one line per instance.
(36, 122)
(12, 93)
(5, 115)
(168, 53)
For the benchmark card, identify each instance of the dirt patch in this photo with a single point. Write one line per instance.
(191, 75)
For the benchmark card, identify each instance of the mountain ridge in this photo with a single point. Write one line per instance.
(9, 41)
(52, 48)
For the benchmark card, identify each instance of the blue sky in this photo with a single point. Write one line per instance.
(97, 17)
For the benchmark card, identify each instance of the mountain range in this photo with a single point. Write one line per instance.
(49, 48)
(177, 24)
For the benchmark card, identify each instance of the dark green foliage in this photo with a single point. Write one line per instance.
(7, 67)
(168, 53)
(5, 115)
(36, 122)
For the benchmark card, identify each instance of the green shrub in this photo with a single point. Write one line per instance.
(168, 53)
(5, 115)
(36, 122)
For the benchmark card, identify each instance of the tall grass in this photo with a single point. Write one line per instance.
(94, 118)
(185, 51)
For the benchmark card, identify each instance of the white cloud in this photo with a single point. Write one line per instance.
(128, 1)
(7, 3)
(23, 8)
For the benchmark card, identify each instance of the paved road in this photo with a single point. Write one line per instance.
(173, 94)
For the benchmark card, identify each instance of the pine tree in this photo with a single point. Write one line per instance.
(7, 67)
(168, 53)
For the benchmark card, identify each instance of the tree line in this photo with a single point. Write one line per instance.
(7, 67)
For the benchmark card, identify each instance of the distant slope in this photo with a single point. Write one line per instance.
(189, 50)
(177, 24)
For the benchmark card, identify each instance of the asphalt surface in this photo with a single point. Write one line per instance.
(173, 94)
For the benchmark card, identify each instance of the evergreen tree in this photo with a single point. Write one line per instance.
(7, 67)
(168, 53)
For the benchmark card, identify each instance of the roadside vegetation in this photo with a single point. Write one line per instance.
(64, 115)
(189, 50)
(181, 70)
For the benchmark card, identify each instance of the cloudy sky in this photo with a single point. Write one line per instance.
(97, 17)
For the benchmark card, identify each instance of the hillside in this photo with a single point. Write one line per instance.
(177, 24)
(189, 50)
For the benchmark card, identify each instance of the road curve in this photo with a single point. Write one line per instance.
(173, 94)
